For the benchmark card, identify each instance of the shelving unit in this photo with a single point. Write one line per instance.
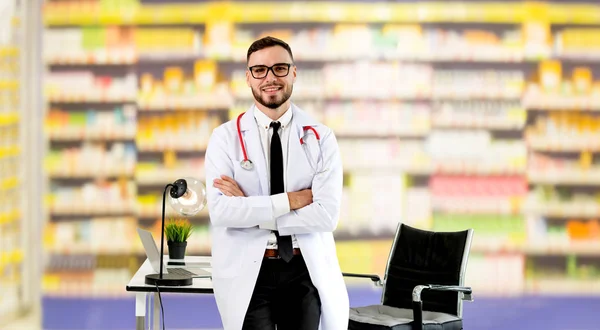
(18, 231)
(461, 129)
(11, 245)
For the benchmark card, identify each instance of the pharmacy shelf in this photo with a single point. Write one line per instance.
(89, 98)
(117, 251)
(544, 248)
(500, 62)
(333, 96)
(151, 148)
(567, 176)
(161, 176)
(87, 174)
(93, 59)
(92, 210)
(555, 209)
(213, 101)
(154, 212)
(563, 286)
(90, 135)
(292, 12)
(453, 57)
(486, 125)
(564, 144)
(553, 102)
(362, 235)
(477, 205)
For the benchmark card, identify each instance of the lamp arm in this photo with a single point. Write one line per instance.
(162, 232)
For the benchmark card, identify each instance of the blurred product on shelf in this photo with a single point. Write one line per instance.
(94, 235)
(85, 86)
(378, 119)
(475, 152)
(491, 115)
(156, 174)
(497, 275)
(366, 201)
(89, 45)
(478, 195)
(578, 43)
(565, 131)
(181, 131)
(91, 124)
(490, 226)
(92, 159)
(554, 90)
(177, 90)
(94, 198)
(376, 80)
(384, 155)
(149, 206)
(167, 43)
(563, 202)
(467, 84)
(546, 169)
(584, 230)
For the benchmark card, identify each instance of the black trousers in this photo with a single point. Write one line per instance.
(284, 296)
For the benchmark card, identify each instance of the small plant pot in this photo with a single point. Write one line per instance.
(177, 250)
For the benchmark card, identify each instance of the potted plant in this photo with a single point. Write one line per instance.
(177, 232)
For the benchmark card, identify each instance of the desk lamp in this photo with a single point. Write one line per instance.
(187, 196)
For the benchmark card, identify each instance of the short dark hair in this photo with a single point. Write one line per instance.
(266, 42)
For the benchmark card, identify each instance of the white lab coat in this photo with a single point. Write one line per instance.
(239, 244)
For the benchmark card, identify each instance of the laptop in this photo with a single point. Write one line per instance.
(192, 269)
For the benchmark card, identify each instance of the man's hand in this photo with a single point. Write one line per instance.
(228, 186)
(300, 199)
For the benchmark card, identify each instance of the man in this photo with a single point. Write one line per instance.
(274, 192)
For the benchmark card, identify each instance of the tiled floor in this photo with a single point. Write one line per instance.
(186, 312)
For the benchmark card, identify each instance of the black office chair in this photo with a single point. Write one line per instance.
(423, 283)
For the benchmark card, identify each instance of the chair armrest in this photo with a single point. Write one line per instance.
(467, 292)
(418, 303)
(375, 278)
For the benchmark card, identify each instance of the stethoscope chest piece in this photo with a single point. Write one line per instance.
(246, 164)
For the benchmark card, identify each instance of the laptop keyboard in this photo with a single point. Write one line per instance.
(181, 271)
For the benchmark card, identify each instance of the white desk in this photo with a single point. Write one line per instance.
(145, 293)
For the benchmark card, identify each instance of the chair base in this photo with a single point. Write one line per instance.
(381, 317)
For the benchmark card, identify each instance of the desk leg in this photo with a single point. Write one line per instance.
(140, 310)
(156, 312)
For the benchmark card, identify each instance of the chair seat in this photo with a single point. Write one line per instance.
(381, 317)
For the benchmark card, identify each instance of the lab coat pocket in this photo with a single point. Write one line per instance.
(247, 180)
(228, 255)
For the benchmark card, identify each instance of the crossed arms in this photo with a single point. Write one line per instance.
(311, 210)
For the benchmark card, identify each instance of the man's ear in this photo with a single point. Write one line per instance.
(248, 78)
(294, 73)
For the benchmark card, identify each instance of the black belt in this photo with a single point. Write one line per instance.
(274, 253)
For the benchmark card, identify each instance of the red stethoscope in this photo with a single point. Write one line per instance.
(247, 163)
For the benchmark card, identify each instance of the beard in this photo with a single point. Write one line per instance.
(273, 101)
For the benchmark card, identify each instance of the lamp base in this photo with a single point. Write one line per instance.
(168, 280)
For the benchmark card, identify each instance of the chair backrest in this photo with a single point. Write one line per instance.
(420, 257)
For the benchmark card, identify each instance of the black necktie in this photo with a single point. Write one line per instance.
(284, 243)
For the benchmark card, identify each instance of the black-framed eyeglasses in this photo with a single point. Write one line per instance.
(279, 70)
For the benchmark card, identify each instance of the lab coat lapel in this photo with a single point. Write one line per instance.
(254, 148)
